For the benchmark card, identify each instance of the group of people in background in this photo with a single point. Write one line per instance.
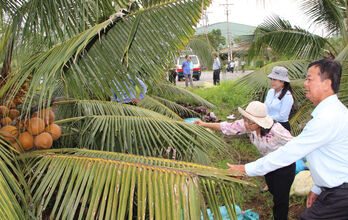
(187, 67)
(233, 65)
(323, 141)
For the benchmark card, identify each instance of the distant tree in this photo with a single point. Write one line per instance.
(216, 39)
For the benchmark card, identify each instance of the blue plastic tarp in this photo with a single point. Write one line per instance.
(191, 120)
(241, 215)
(301, 165)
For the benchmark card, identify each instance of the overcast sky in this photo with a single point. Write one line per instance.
(253, 12)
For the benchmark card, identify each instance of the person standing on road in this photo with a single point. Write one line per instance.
(232, 66)
(236, 65)
(323, 141)
(279, 99)
(186, 69)
(242, 64)
(267, 136)
(191, 67)
(216, 70)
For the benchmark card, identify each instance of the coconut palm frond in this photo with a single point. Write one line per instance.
(329, 13)
(258, 84)
(48, 65)
(15, 194)
(154, 105)
(166, 107)
(146, 136)
(175, 93)
(203, 49)
(76, 108)
(298, 91)
(98, 185)
(58, 20)
(302, 116)
(283, 39)
(134, 43)
(343, 59)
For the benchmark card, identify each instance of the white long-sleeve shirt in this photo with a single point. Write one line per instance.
(216, 64)
(279, 110)
(323, 141)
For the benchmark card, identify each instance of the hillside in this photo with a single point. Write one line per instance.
(236, 29)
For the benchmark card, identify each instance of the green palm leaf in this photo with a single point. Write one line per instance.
(166, 107)
(15, 194)
(140, 135)
(90, 184)
(329, 13)
(301, 117)
(80, 61)
(203, 49)
(76, 108)
(342, 57)
(283, 39)
(175, 93)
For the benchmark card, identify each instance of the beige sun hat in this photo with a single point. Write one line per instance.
(279, 73)
(257, 112)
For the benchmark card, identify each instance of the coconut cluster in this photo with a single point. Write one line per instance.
(37, 131)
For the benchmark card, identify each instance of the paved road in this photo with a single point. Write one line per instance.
(207, 76)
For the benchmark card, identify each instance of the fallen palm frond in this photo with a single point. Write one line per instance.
(166, 107)
(175, 93)
(88, 184)
(148, 136)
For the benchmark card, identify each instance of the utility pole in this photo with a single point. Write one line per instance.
(205, 21)
(230, 52)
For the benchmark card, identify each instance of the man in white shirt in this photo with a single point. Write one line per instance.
(323, 141)
(216, 70)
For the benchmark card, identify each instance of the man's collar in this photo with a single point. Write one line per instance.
(327, 101)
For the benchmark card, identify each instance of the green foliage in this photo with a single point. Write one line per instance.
(285, 40)
(77, 50)
(203, 49)
(228, 96)
(259, 63)
(216, 40)
(175, 93)
(88, 184)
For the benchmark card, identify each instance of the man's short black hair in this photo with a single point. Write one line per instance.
(329, 69)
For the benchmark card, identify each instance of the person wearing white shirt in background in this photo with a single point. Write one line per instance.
(323, 141)
(279, 99)
(236, 65)
(216, 69)
(243, 65)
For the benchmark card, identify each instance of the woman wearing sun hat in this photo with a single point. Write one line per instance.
(267, 136)
(279, 99)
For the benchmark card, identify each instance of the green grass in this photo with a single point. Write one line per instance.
(227, 97)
